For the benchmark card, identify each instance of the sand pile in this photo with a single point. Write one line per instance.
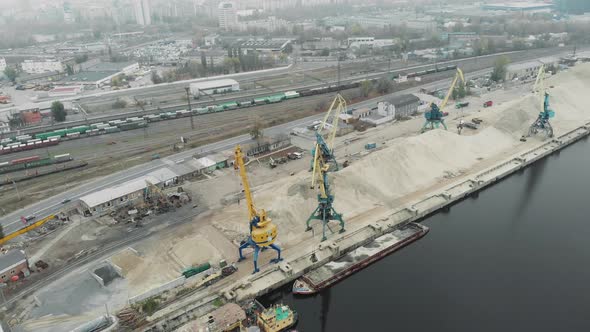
(411, 164)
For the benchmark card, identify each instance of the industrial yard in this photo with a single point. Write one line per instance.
(404, 168)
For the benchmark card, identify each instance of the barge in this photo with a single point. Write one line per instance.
(334, 271)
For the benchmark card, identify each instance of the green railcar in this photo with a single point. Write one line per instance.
(196, 270)
(229, 105)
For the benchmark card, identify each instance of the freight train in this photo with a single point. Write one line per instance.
(140, 122)
(32, 162)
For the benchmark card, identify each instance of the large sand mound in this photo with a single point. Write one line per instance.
(411, 164)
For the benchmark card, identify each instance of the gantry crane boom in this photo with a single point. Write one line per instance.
(263, 232)
(325, 148)
(323, 162)
(252, 212)
(458, 76)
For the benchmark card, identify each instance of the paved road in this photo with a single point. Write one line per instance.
(11, 222)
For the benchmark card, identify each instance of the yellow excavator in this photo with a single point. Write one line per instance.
(263, 232)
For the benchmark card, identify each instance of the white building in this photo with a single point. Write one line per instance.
(143, 14)
(270, 24)
(2, 65)
(227, 14)
(42, 66)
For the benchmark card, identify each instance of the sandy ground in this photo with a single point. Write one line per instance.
(405, 166)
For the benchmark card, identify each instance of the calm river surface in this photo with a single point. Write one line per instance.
(516, 258)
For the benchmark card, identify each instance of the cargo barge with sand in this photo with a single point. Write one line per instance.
(334, 271)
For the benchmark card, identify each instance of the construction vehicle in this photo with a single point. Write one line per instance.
(542, 123)
(434, 117)
(324, 162)
(461, 104)
(25, 229)
(370, 146)
(263, 233)
(156, 196)
(488, 103)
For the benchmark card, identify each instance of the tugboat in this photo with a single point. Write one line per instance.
(276, 318)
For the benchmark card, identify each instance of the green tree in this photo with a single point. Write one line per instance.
(69, 70)
(366, 87)
(58, 111)
(384, 85)
(81, 58)
(256, 131)
(120, 103)
(11, 73)
(15, 121)
(499, 72)
(156, 79)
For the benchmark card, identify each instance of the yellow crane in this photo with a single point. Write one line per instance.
(263, 232)
(434, 117)
(324, 162)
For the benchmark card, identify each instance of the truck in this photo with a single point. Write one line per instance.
(461, 104)
(370, 146)
(488, 103)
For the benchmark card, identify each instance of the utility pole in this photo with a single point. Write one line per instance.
(16, 188)
(338, 72)
(188, 98)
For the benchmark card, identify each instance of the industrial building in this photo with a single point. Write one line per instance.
(214, 87)
(100, 74)
(518, 6)
(42, 66)
(127, 193)
(527, 70)
(267, 47)
(13, 263)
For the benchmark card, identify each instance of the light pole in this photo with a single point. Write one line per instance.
(2, 286)
(188, 98)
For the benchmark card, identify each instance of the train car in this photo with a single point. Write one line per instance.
(110, 130)
(291, 94)
(73, 135)
(431, 71)
(61, 158)
(232, 105)
(24, 160)
(246, 103)
(183, 113)
(261, 100)
(276, 98)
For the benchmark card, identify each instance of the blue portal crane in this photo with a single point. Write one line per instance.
(324, 162)
(263, 232)
(434, 117)
(542, 123)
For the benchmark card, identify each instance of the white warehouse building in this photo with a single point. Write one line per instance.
(42, 66)
(214, 87)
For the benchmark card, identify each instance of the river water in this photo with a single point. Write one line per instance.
(514, 258)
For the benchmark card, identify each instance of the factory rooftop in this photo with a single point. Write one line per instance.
(106, 195)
